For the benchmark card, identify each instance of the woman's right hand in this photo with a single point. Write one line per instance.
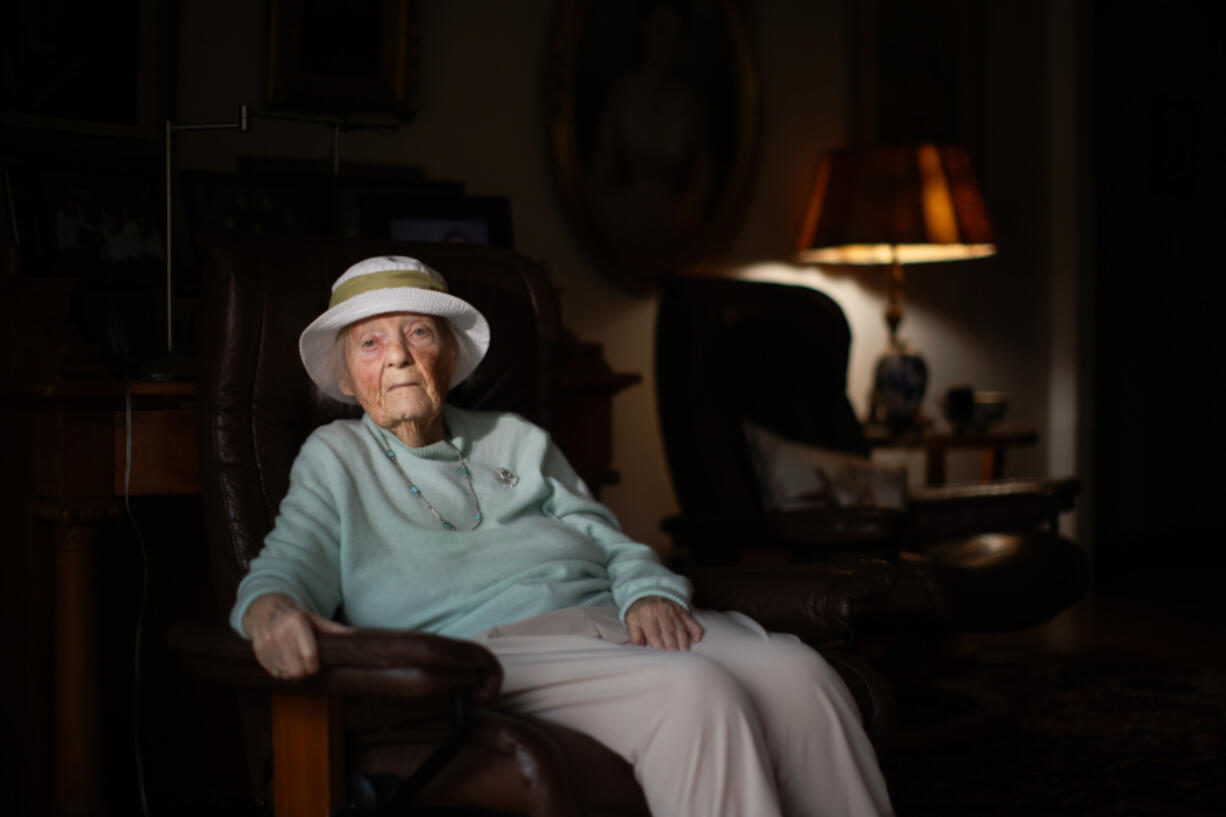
(283, 635)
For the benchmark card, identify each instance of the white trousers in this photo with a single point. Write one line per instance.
(745, 724)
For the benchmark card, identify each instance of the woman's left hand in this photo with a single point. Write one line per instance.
(663, 624)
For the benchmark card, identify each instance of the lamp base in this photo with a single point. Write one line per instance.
(899, 383)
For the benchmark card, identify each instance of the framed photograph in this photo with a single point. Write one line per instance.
(89, 75)
(81, 222)
(451, 219)
(655, 110)
(344, 56)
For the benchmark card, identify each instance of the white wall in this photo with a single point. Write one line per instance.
(482, 120)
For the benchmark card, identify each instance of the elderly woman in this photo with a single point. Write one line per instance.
(473, 525)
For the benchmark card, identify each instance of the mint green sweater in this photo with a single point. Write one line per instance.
(351, 537)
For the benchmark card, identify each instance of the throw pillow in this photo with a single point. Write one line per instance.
(796, 475)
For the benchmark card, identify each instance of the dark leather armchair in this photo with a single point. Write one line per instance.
(983, 557)
(403, 703)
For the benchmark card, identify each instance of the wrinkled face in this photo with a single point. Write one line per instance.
(398, 367)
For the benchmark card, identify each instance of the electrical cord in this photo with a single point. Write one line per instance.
(143, 597)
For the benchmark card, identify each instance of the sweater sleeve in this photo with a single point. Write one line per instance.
(301, 555)
(634, 569)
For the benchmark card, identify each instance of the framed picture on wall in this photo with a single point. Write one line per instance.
(654, 107)
(344, 56)
(88, 77)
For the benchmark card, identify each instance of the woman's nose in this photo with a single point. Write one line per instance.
(398, 354)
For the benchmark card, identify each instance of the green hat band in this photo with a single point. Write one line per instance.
(387, 279)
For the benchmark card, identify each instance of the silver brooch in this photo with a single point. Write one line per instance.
(506, 478)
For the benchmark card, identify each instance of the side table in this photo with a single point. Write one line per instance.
(991, 443)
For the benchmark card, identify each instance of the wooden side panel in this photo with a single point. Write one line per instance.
(164, 455)
(307, 755)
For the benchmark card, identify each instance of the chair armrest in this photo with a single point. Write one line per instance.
(367, 662)
(952, 511)
(807, 532)
(815, 601)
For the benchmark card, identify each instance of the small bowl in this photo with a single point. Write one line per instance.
(990, 408)
(967, 409)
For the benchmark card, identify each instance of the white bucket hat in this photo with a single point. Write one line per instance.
(376, 286)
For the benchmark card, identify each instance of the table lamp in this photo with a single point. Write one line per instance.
(889, 206)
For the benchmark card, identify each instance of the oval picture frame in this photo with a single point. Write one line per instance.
(654, 116)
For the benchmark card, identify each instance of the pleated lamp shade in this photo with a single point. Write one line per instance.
(882, 205)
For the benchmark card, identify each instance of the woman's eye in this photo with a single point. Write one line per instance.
(369, 343)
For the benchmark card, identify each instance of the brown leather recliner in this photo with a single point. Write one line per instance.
(401, 702)
(975, 558)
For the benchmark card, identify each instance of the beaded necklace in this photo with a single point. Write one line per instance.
(381, 439)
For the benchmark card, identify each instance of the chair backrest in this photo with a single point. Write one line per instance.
(729, 351)
(257, 404)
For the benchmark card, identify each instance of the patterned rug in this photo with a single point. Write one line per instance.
(1082, 735)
